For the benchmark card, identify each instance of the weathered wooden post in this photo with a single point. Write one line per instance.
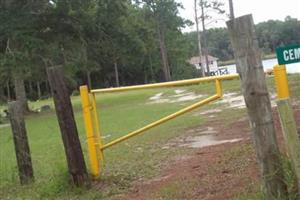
(254, 88)
(22, 149)
(66, 120)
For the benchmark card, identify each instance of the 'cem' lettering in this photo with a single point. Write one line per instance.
(297, 53)
(291, 52)
(286, 55)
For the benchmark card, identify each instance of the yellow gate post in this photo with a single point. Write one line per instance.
(97, 129)
(91, 138)
(281, 82)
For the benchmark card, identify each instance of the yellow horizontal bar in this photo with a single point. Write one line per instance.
(163, 120)
(168, 84)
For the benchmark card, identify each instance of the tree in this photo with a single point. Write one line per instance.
(166, 17)
(18, 36)
(206, 7)
(106, 43)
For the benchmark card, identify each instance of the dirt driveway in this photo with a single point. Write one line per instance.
(222, 171)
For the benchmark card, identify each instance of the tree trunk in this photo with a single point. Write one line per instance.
(69, 133)
(117, 74)
(151, 68)
(249, 64)
(8, 90)
(38, 85)
(48, 88)
(89, 79)
(21, 93)
(199, 39)
(164, 54)
(21, 142)
(145, 76)
(204, 38)
(2, 95)
(30, 88)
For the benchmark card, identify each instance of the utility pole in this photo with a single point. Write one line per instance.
(199, 39)
(204, 36)
(231, 9)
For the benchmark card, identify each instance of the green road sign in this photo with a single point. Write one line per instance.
(288, 54)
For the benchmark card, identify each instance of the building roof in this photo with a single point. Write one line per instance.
(196, 59)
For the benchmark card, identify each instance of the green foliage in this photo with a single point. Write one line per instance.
(88, 36)
(270, 34)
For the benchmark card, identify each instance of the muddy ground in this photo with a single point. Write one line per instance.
(221, 171)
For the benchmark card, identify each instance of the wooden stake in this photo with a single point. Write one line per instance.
(254, 88)
(66, 120)
(22, 150)
(289, 129)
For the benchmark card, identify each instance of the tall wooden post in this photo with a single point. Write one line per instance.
(254, 88)
(66, 120)
(231, 10)
(198, 38)
(17, 121)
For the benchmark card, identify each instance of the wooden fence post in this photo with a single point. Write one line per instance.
(66, 120)
(288, 123)
(22, 149)
(254, 88)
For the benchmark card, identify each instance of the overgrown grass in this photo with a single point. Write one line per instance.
(120, 113)
(255, 193)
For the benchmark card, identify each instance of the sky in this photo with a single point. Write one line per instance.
(262, 10)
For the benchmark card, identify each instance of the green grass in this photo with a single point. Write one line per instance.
(120, 113)
(139, 158)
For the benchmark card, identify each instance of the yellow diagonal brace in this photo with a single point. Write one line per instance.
(163, 120)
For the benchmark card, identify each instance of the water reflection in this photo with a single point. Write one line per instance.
(269, 64)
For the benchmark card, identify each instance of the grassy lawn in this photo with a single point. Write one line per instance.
(120, 113)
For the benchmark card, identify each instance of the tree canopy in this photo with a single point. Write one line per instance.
(105, 43)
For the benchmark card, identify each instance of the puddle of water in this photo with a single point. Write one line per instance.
(210, 130)
(179, 97)
(106, 136)
(202, 131)
(182, 95)
(211, 111)
(179, 91)
(156, 97)
(188, 98)
(160, 101)
(205, 141)
(235, 100)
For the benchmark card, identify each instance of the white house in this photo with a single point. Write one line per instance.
(199, 63)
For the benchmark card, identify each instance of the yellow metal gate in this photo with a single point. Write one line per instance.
(92, 123)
